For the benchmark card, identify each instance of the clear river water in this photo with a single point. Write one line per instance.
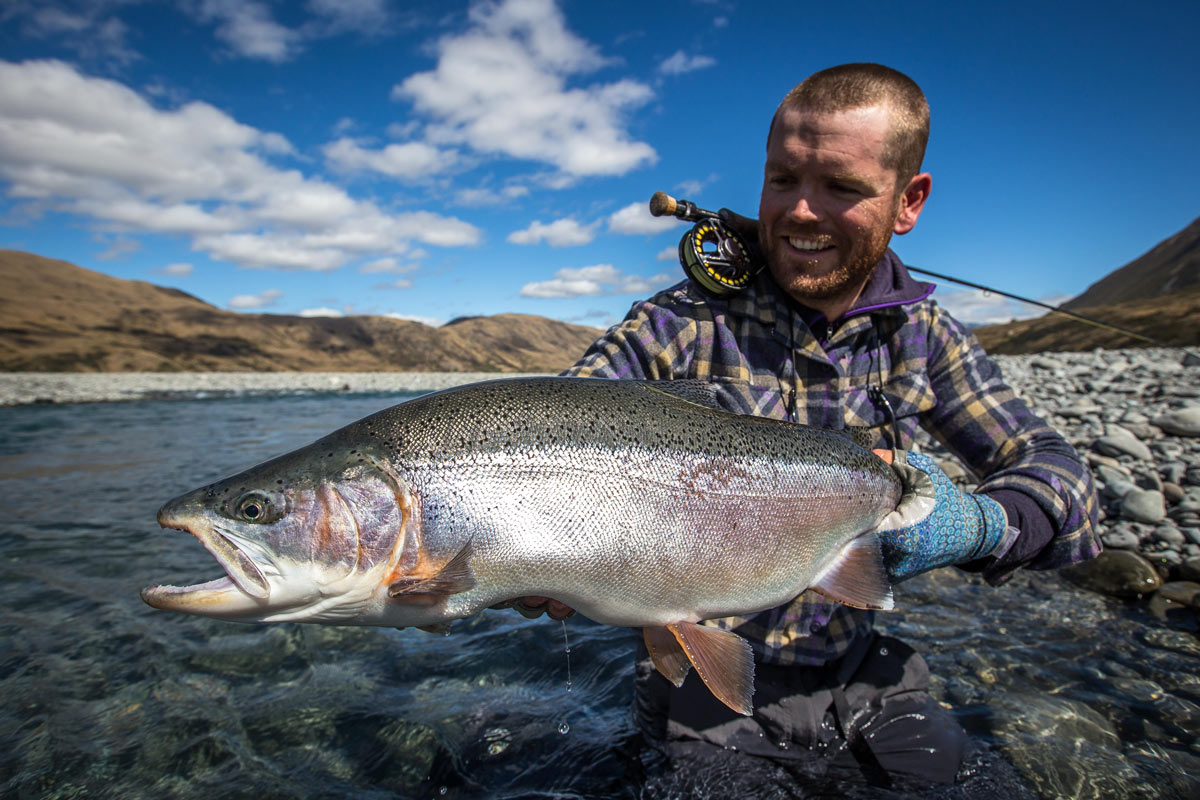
(1066, 693)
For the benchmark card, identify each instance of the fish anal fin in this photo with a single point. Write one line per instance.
(857, 576)
(668, 657)
(454, 577)
(723, 660)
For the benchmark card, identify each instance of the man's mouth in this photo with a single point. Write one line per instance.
(808, 244)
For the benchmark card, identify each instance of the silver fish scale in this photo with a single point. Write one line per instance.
(634, 506)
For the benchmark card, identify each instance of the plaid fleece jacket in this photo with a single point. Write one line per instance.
(771, 357)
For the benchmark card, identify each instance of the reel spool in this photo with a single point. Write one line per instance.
(711, 253)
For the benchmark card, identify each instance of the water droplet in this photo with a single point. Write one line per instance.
(442, 790)
(564, 728)
(784, 745)
(883, 651)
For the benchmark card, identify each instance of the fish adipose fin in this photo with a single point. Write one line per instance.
(857, 576)
(724, 661)
(668, 657)
(456, 576)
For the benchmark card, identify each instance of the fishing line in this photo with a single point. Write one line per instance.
(716, 257)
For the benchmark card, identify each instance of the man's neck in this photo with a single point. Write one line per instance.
(834, 307)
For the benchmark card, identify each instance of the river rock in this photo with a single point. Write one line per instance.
(1170, 535)
(1175, 596)
(1173, 492)
(1118, 573)
(1189, 570)
(1121, 539)
(1143, 505)
(1181, 422)
(1118, 441)
(1148, 479)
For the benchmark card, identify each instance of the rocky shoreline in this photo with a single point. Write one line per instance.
(25, 388)
(1134, 415)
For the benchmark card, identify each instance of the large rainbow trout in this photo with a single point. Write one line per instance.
(636, 503)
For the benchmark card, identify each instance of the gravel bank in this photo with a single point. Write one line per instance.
(20, 388)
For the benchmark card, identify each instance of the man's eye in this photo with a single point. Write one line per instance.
(780, 181)
(844, 188)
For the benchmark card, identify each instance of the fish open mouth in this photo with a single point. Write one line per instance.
(243, 579)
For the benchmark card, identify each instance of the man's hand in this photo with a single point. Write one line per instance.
(961, 527)
(534, 606)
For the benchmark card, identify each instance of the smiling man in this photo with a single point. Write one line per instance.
(837, 333)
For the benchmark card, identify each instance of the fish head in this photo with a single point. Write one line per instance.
(307, 537)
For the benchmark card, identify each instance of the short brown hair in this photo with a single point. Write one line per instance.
(850, 86)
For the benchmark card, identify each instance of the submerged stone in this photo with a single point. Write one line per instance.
(1117, 573)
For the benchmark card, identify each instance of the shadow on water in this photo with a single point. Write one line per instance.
(1066, 694)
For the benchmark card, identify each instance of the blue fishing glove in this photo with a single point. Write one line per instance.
(960, 527)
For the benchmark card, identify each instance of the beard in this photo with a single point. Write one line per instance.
(856, 261)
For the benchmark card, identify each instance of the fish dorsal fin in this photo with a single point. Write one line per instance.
(866, 438)
(694, 391)
(454, 577)
(724, 661)
(857, 576)
(668, 657)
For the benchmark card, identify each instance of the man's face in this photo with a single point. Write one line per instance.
(828, 205)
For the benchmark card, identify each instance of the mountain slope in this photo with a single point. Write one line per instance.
(56, 316)
(1170, 266)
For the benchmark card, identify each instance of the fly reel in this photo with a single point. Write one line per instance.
(712, 254)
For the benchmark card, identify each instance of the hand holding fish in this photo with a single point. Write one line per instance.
(961, 527)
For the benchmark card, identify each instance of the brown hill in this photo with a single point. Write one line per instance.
(1170, 266)
(55, 316)
(1171, 320)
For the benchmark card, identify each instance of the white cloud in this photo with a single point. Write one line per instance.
(490, 197)
(178, 270)
(361, 16)
(668, 254)
(564, 232)
(268, 297)
(501, 88)
(405, 161)
(247, 28)
(94, 148)
(973, 307)
(636, 218)
(680, 62)
(431, 321)
(321, 312)
(399, 283)
(84, 28)
(600, 279)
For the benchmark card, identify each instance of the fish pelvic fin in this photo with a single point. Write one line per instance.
(454, 577)
(857, 576)
(668, 657)
(723, 660)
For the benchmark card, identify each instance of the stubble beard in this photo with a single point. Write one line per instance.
(852, 271)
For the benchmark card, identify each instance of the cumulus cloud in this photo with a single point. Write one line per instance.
(268, 297)
(973, 307)
(600, 279)
(501, 88)
(405, 161)
(321, 312)
(484, 196)
(386, 265)
(564, 232)
(636, 218)
(680, 62)
(668, 254)
(433, 322)
(87, 28)
(177, 270)
(95, 148)
(247, 29)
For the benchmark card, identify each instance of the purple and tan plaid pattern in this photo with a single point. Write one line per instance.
(766, 360)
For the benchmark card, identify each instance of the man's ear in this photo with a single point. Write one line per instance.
(912, 200)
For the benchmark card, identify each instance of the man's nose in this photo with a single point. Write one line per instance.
(803, 209)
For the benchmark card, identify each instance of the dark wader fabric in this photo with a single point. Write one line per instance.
(872, 707)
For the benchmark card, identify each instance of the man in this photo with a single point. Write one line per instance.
(836, 333)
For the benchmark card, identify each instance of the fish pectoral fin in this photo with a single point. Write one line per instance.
(857, 576)
(724, 661)
(454, 577)
(668, 657)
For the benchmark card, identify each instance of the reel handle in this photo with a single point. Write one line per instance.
(713, 253)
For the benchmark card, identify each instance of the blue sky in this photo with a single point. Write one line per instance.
(434, 160)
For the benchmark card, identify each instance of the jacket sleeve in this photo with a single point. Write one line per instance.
(652, 343)
(1044, 486)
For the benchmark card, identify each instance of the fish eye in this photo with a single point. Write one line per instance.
(254, 507)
